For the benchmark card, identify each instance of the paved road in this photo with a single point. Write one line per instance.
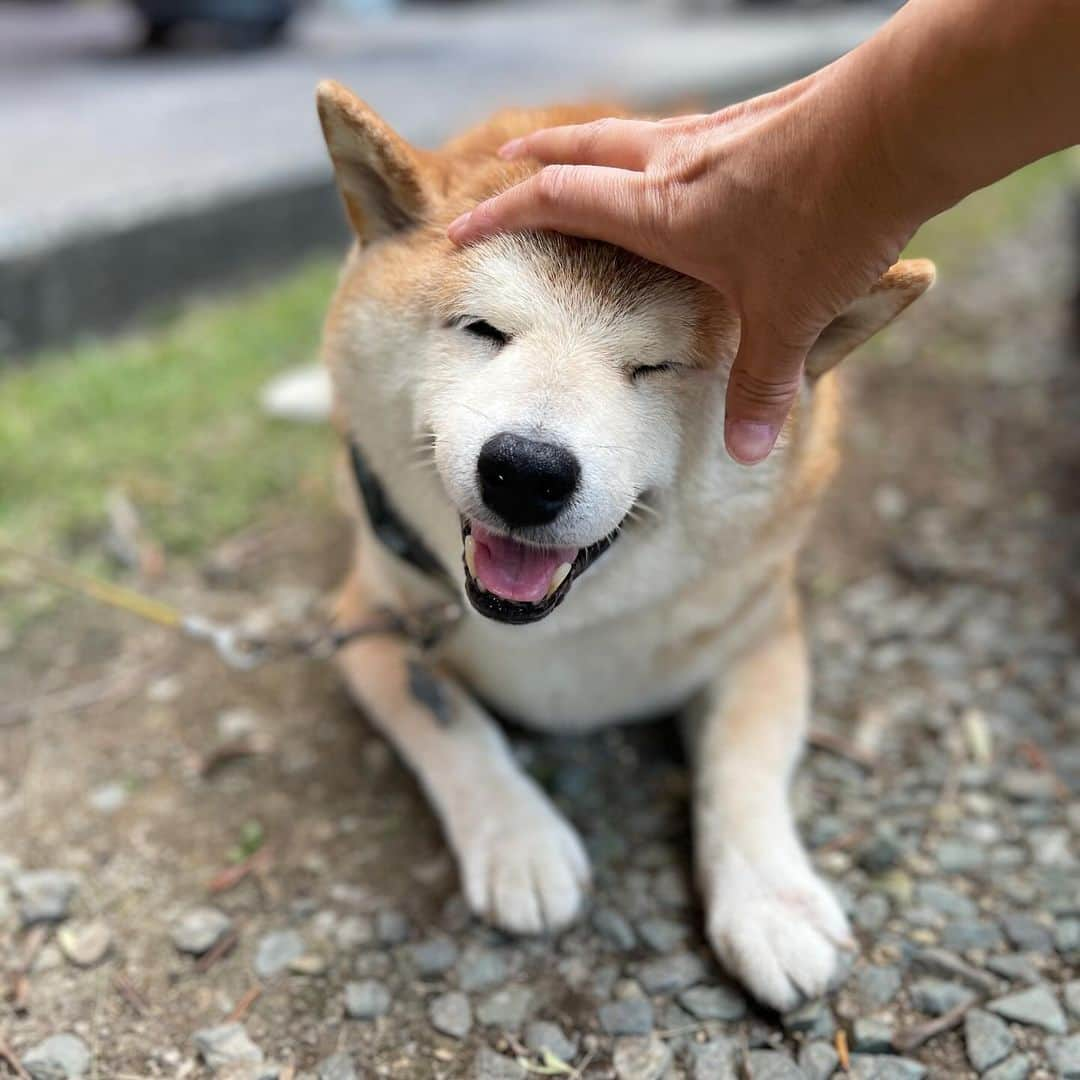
(100, 139)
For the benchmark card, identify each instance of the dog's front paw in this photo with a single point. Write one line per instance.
(773, 923)
(523, 867)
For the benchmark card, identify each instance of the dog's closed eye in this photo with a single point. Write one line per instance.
(650, 369)
(482, 329)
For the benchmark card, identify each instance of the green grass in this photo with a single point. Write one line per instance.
(171, 415)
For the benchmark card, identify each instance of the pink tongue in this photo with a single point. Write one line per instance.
(516, 571)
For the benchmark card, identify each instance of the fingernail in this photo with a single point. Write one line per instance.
(511, 149)
(749, 441)
(457, 226)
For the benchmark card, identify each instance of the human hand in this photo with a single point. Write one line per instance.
(790, 220)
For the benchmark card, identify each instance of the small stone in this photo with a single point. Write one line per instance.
(225, 1046)
(614, 928)
(44, 895)
(885, 1067)
(276, 951)
(487, 1065)
(662, 935)
(391, 927)
(987, 1039)
(1072, 997)
(876, 985)
(871, 1036)
(881, 852)
(1036, 1007)
(480, 967)
(198, 930)
(947, 901)
(1067, 936)
(338, 1067)
(1024, 785)
(85, 944)
(818, 1060)
(671, 890)
(936, 997)
(367, 999)
(813, 1018)
(633, 1016)
(451, 1014)
(721, 1002)
(506, 1008)
(959, 856)
(1051, 846)
(59, 1057)
(354, 932)
(433, 957)
(238, 723)
(1014, 967)
(1027, 933)
(308, 964)
(871, 911)
(1012, 1068)
(772, 1065)
(108, 798)
(165, 690)
(544, 1037)
(9, 868)
(714, 1060)
(970, 934)
(1064, 1055)
(641, 1058)
(670, 974)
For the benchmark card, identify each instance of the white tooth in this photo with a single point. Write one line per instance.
(470, 555)
(559, 577)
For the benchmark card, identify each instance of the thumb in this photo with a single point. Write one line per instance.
(765, 380)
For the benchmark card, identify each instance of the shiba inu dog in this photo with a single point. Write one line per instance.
(535, 426)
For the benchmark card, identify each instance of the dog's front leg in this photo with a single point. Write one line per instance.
(522, 866)
(771, 920)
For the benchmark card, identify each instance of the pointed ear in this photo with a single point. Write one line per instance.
(899, 286)
(380, 176)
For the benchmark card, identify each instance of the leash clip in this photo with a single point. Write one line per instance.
(233, 648)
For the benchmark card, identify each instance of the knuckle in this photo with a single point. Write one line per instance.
(551, 184)
(766, 393)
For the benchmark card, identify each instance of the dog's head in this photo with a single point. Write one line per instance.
(563, 385)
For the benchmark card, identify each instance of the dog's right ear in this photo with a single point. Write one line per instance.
(380, 176)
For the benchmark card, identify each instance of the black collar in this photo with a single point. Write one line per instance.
(389, 527)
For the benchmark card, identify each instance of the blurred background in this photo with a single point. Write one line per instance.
(169, 237)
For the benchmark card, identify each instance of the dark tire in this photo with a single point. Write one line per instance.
(157, 34)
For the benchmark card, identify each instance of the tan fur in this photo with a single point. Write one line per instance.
(693, 606)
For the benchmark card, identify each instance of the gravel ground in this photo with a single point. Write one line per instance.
(212, 874)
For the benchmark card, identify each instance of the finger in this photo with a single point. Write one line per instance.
(581, 200)
(613, 142)
(765, 380)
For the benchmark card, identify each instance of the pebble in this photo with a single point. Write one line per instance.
(818, 1060)
(308, 963)
(970, 934)
(225, 1046)
(939, 962)
(883, 851)
(633, 1016)
(44, 895)
(197, 931)
(108, 798)
(814, 1018)
(354, 932)
(1072, 997)
(947, 901)
(506, 1008)
(773, 1065)
(1013, 1068)
(885, 1067)
(542, 1036)
(366, 999)
(871, 911)
(714, 1060)
(876, 985)
(1014, 966)
(714, 1002)
(9, 868)
(451, 1014)
(959, 856)
(433, 957)
(641, 1058)
(1064, 1055)
(935, 997)
(1036, 1007)
(662, 935)
(391, 927)
(614, 927)
(276, 951)
(670, 974)
(1067, 936)
(1024, 785)
(59, 1057)
(85, 944)
(481, 967)
(987, 1038)
(487, 1065)
(338, 1067)
(871, 1036)
(1027, 933)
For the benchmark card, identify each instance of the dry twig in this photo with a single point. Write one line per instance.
(833, 744)
(914, 1037)
(240, 1009)
(8, 1055)
(225, 945)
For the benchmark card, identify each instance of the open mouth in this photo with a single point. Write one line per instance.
(513, 582)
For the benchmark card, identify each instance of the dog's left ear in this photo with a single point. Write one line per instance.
(380, 175)
(898, 287)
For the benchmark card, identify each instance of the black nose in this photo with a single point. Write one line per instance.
(524, 481)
